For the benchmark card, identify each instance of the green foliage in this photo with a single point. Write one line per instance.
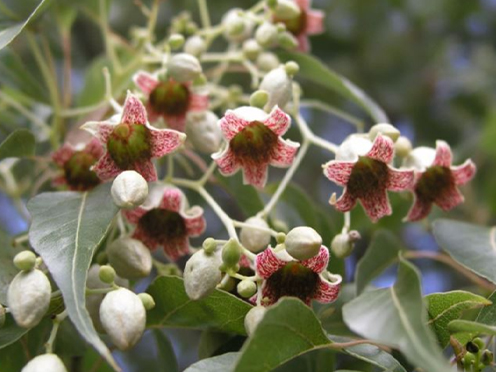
(7, 268)
(19, 144)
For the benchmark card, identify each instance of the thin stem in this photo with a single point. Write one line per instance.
(347, 222)
(170, 168)
(320, 142)
(334, 111)
(204, 14)
(53, 334)
(109, 47)
(344, 345)
(226, 220)
(202, 181)
(82, 110)
(244, 224)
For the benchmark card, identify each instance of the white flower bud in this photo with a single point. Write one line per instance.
(246, 288)
(124, 317)
(25, 260)
(303, 243)
(202, 274)
(203, 131)
(420, 158)
(28, 297)
(287, 41)
(176, 41)
(129, 189)
(287, 10)
(195, 45)
(402, 147)
(253, 239)
(386, 130)
(267, 61)
(279, 86)
(251, 49)
(184, 67)
(354, 146)
(342, 245)
(130, 258)
(45, 363)
(252, 318)
(266, 35)
(237, 27)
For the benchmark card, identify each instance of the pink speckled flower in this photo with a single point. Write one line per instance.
(132, 142)
(76, 163)
(166, 221)
(367, 178)
(307, 280)
(437, 183)
(254, 142)
(310, 22)
(169, 99)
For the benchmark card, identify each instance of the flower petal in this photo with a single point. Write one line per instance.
(255, 174)
(231, 124)
(176, 248)
(443, 154)
(106, 168)
(326, 292)
(315, 22)
(134, 112)
(318, 263)
(226, 161)
(382, 149)
(198, 102)
(268, 295)
(146, 82)
(284, 153)
(463, 173)
(194, 221)
(152, 115)
(419, 210)
(346, 202)
(278, 121)
(176, 122)
(146, 169)
(150, 242)
(303, 43)
(63, 154)
(100, 129)
(165, 141)
(303, 4)
(267, 263)
(94, 148)
(376, 205)
(449, 199)
(172, 200)
(399, 180)
(134, 215)
(339, 172)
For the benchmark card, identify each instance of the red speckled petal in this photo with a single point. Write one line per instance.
(278, 121)
(267, 263)
(176, 122)
(303, 43)
(106, 168)
(176, 248)
(315, 22)
(134, 215)
(94, 148)
(231, 124)
(339, 172)
(449, 199)
(146, 169)
(134, 112)
(165, 141)
(376, 205)
(382, 149)
(346, 202)
(194, 220)
(146, 82)
(443, 154)
(227, 162)
(198, 102)
(419, 210)
(400, 180)
(463, 173)
(303, 4)
(146, 239)
(172, 200)
(326, 292)
(284, 153)
(318, 263)
(63, 154)
(255, 174)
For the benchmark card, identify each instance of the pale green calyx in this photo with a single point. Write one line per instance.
(342, 245)
(130, 258)
(259, 98)
(303, 243)
(25, 260)
(287, 40)
(255, 238)
(129, 189)
(176, 41)
(45, 363)
(246, 288)
(148, 301)
(202, 274)
(385, 129)
(231, 253)
(184, 67)
(107, 274)
(291, 68)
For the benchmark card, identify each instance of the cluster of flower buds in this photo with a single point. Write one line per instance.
(477, 357)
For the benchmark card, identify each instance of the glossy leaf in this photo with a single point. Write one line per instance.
(381, 253)
(396, 316)
(66, 229)
(487, 315)
(471, 327)
(287, 329)
(19, 144)
(470, 245)
(445, 307)
(314, 70)
(220, 310)
(222, 363)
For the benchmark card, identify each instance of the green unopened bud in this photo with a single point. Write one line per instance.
(148, 301)
(2, 315)
(280, 238)
(487, 357)
(184, 67)
(25, 260)
(195, 45)
(287, 40)
(267, 61)
(271, 4)
(107, 274)
(303, 243)
(291, 68)
(246, 288)
(252, 318)
(468, 360)
(402, 147)
(386, 130)
(231, 253)
(255, 238)
(227, 285)
(251, 49)
(287, 10)
(176, 41)
(342, 245)
(266, 35)
(190, 28)
(209, 245)
(259, 98)
(480, 344)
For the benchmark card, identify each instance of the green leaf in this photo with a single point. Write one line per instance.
(487, 315)
(331, 315)
(219, 363)
(397, 317)
(319, 360)
(166, 356)
(245, 196)
(445, 307)
(287, 329)
(471, 327)
(221, 310)
(371, 354)
(381, 253)
(19, 144)
(8, 34)
(314, 70)
(66, 229)
(7, 268)
(215, 343)
(472, 246)
(10, 332)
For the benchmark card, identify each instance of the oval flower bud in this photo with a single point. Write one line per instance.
(246, 288)
(45, 363)
(402, 147)
(28, 297)
(204, 132)
(176, 41)
(266, 35)
(236, 26)
(267, 61)
(255, 239)
(195, 45)
(231, 253)
(130, 258)
(124, 317)
(303, 243)
(384, 129)
(129, 189)
(184, 67)
(342, 245)
(202, 274)
(253, 317)
(420, 158)
(279, 86)
(352, 147)
(107, 274)
(287, 10)
(25, 260)
(251, 49)
(148, 301)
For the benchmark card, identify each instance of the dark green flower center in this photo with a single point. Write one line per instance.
(296, 25)
(368, 176)
(163, 225)
(294, 280)
(170, 98)
(434, 182)
(254, 144)
(128, 144)
(77, 171)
